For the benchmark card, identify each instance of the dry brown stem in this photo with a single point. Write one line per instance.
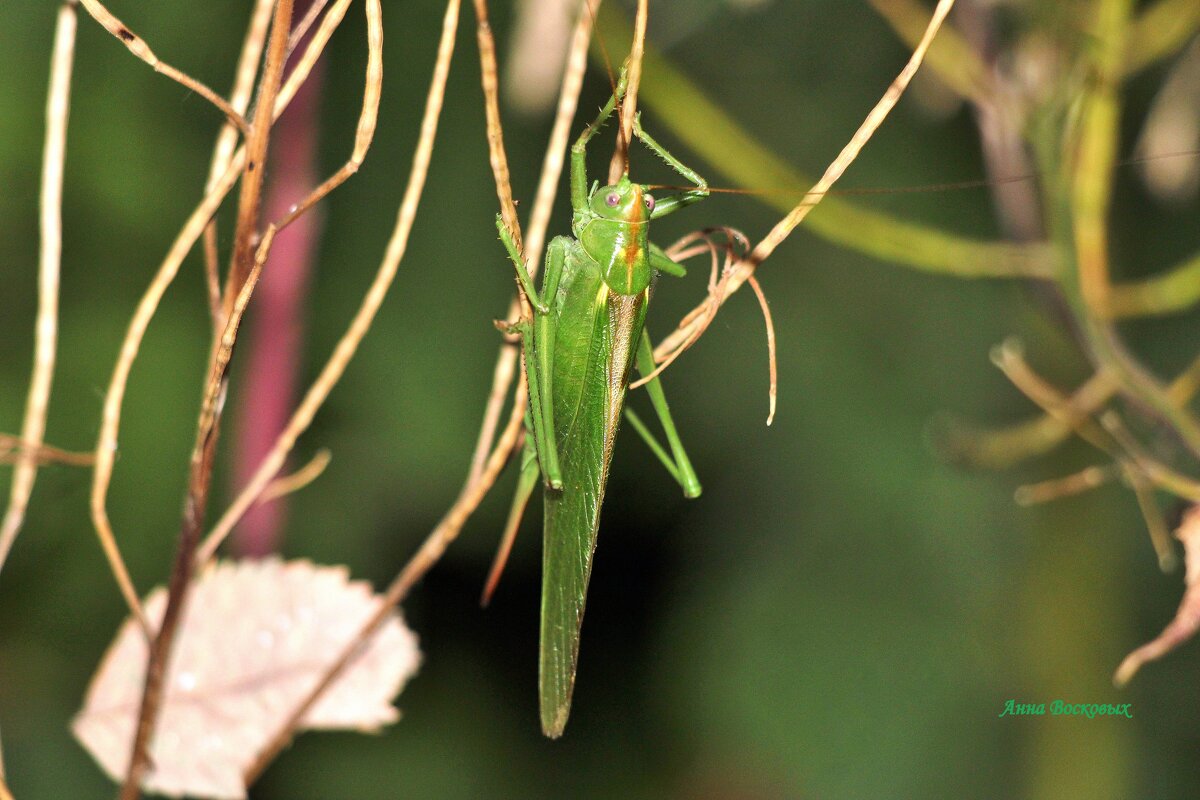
(139, 48)
(33, 429)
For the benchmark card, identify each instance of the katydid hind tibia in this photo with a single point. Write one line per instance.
(585, 335)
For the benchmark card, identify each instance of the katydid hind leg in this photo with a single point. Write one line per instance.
(683, 472)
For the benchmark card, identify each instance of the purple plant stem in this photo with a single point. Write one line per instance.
(275, 324)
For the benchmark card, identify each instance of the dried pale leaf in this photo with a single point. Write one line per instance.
(255, 638)
(1187, 618)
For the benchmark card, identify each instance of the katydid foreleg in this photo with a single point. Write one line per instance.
(537, 343)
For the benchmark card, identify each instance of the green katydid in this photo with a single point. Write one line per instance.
(585, 335)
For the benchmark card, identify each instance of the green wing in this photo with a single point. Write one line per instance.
(595, 341)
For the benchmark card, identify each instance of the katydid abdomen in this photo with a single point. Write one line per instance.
(595, 340)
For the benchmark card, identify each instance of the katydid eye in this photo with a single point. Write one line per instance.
(612, 199)
(649, 202)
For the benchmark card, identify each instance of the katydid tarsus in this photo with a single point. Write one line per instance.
(585, 335)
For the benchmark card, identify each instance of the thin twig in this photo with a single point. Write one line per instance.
(106, 446)
(243, 84)
(250, 195)
(110, 420)
(5, 794)
(199, 479)
(13, 449)
(1155, 470)
(306, 22)
(773, 390)
(391, 260)
(1156, 523)
(619, 165)
(332, 372)
(839, 165)
(1010, 358)
(34, 427)
(298, 479)
(139, 48)
(697, 321)
(367, 119)
(495, 130)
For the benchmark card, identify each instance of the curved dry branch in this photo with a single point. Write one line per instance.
(139, 48)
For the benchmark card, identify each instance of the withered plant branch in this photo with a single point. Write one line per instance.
(495, 129)
(139, 48)
(502, 379)
(368, 116)
(773, 389)
(1005, 446)
(619, 165)
(250, 196)
(839, 165)
(312, 52)
(106, 446)
(332, 372)
(1109, 436)
(952, 58)
(697, 321)
(1140, 471)
(244, 270)
(395, 252)
(13, 450)
(243, 84)
(306, 22)
(33, 429)
(1095, 476)
(5, 794)
(556, 148)
(298, 479)
(110, 420)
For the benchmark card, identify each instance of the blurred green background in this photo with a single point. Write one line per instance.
(840, 615)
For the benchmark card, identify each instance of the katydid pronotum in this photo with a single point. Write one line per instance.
(585, 335)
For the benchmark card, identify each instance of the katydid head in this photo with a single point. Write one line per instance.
(624, 201)
(615, 236)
